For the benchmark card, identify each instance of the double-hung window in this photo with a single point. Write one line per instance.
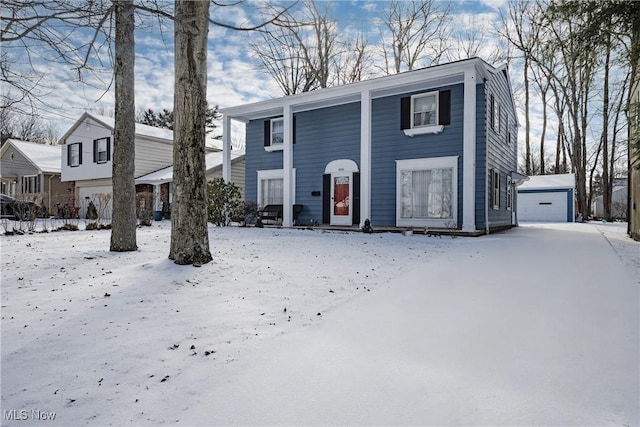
(425, 113)
(495, 115)
(509, 193)
(101, 150)
(74, 154)
(424, 110)
(426, 191)
(277, 131)
(271, 187)
(495, 189)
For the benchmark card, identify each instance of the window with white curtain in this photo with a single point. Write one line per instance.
(424, 110)
(271, 192)
(427, 191)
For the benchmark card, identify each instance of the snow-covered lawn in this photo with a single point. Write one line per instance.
(537, 326)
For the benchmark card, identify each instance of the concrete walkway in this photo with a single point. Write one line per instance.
(535, 326)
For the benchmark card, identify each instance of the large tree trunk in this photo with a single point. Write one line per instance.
(123, 231)
(189, 233)
(527, 125)
(606, 181)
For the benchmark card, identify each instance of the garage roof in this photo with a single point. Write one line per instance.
(542, 182)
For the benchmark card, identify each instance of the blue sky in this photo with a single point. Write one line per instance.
(233, 76)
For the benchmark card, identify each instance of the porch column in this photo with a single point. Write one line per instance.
(469, 152)
(287, 168)
(365, 156)
(226, 148)
(157, 199)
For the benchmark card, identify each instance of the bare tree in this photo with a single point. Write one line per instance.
(189, 235)
(412, 34)
(123, 231)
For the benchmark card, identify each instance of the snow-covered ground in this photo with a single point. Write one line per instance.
(538, 326)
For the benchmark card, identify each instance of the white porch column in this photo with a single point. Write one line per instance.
(365, 156)
(226, 148)
(469, 152)
(157, 199)
(287, 168)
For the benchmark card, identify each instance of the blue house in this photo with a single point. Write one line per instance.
(434, 147)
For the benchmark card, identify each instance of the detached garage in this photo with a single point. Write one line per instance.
(547, 198)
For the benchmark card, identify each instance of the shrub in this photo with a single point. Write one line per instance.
(223, 201)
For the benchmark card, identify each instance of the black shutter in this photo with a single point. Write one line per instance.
(355, 215)
(444, 107)
(267, 133)
(80, 153)
(69, 154)
(95, 151)
(326, 198)
(405, 113)
(108, 149)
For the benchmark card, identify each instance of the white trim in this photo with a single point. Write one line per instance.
(469, 152)
(271, 148)
(435, 94)
(272, 174)
(226, 148)
(427, 164)
(287, 165)
(341, 219)
(423, 130)
(341, 165)
(365, 156)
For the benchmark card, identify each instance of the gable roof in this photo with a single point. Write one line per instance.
(212, 160)
(543, 182)
(409, 81)
(159, 134)
(46, 158)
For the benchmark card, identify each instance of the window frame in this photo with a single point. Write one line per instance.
(495, 189)
(434, 94)
(424, 164)
(70, 154)
(272, 174)
(495, 115)
(278, 145)
(98, 151)
(30, 179)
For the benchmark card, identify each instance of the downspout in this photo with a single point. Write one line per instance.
(50, 178)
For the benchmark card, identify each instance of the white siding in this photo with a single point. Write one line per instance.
(85, 132)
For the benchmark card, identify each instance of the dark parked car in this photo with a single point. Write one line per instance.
(17, 209)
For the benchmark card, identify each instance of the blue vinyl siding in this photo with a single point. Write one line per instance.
(322, 136)
(389, 143)
(257, 158)
(481, 158)
(500, 154)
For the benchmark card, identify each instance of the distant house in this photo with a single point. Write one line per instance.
(619, 200)
(27, 168)
(547, 198)
(87, 149)
(433, 148)
(213, 170)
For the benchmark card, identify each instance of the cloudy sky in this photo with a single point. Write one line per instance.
(234, 77)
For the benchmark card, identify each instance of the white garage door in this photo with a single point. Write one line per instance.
(542, 207)
(101, 197)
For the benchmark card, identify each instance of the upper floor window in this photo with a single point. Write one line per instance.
(101, 150)
(277, 131)
(274, 133)
(495, 114)
(425, 112)
(74, 154)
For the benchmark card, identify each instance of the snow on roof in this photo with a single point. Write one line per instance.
(567, 180)
(44, 157)
(141, 130)
(213, 161)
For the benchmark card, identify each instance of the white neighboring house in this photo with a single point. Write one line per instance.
(619, 200)
(547, 198)
(27, 168)
(87, 156)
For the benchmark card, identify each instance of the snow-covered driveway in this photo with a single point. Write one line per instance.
(536, 326)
